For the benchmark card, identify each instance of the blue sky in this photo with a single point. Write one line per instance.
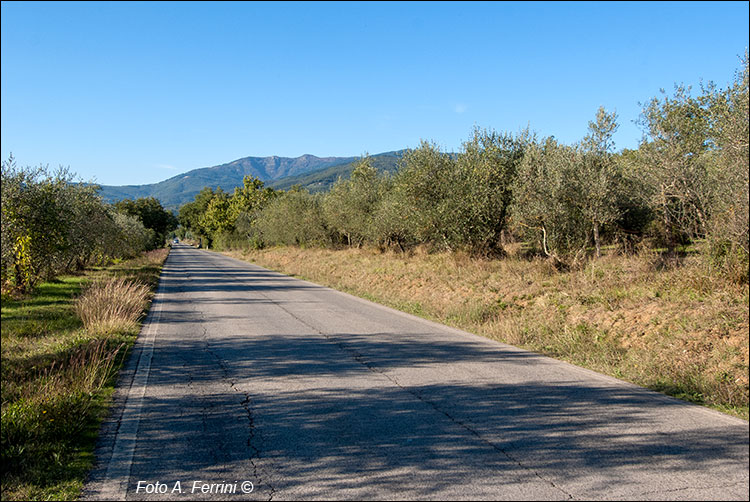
(133, 93)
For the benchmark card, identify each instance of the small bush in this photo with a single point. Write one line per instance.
(115, 305)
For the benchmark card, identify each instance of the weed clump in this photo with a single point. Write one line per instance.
(112, 306)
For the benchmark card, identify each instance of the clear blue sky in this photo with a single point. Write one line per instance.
(133, 93)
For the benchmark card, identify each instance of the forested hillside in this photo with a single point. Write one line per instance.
(322, 180)
(182, 188)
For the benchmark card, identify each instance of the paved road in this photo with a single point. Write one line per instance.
(242, 374)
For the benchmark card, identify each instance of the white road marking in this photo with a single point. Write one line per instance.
(115, 485)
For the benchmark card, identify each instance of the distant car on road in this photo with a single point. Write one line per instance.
(176, 241)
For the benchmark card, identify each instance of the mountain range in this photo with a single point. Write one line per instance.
(311, 172)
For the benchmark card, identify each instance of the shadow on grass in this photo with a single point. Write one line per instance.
(45, 295)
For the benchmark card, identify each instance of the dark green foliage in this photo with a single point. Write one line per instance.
(153, 216)
(191, 214)
(52, 225)
(247, 202)
(217, 217)
(293, 218)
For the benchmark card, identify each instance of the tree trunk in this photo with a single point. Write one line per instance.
(671, 245)
(597, 244)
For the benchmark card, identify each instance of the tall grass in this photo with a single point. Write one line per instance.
(112, 305)
(39, 423)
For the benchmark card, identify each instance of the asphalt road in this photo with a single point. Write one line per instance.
(245, 375)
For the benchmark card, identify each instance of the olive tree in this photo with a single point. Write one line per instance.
(350, 205)
(480, 191)
(293, 218)
(151, 213)
(598, 180)
(424, 182)
(546, 207)
(728, 114)
(674, 164)
(246, 203)
(52, 224)
(35, 223)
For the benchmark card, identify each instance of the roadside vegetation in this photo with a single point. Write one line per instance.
(52, 224)
(631, 262)
(62, 347)
(76, 279)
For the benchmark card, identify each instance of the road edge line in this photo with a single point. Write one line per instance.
(114, 485)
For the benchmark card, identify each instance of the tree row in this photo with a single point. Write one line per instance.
(687, 182)
(53, 225)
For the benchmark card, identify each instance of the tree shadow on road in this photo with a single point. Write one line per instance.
(391, 414)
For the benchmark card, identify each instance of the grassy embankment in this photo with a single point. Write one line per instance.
(58, 372)
(682, 331)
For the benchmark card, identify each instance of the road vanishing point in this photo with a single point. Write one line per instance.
(248, 384)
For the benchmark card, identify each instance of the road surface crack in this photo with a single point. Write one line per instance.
(674, 490)
(246, 404)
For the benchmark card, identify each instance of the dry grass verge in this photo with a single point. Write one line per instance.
(113, 305)
(681, 331)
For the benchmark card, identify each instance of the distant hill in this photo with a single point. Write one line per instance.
(176, 191)
(314, 173)
(321, 180)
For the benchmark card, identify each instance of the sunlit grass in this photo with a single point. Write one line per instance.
(112, 306)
